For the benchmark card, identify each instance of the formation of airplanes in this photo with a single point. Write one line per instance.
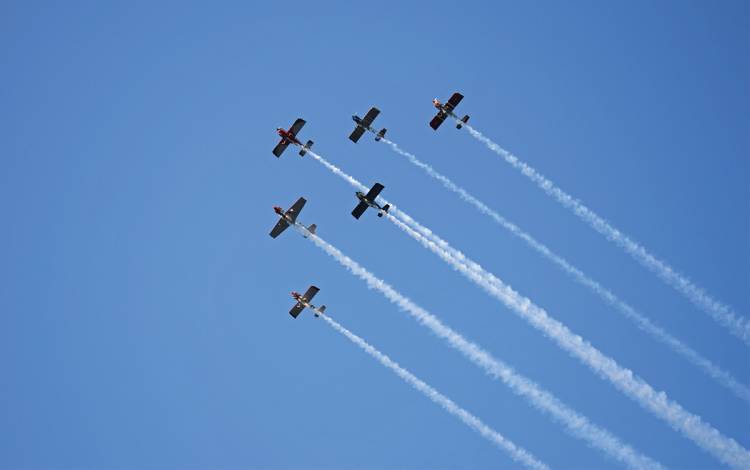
(289, 217)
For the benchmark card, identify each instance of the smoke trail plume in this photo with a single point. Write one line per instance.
(720, 312)
(722, 377)
(516, 453)
(574, 423)
(723, 448)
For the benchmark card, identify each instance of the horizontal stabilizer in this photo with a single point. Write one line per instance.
(304, 149)
(311, 230)
(464, 120)
(380, 135)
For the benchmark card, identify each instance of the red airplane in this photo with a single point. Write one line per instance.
(304, 301)
(290, 137)
(445, 110)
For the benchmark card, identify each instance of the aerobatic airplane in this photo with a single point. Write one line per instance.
(290, 137)
(368, 200)
(445, 110)
(303, 301)
(289, 217)
(363, 124)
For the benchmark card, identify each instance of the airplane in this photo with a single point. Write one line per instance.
(445, 110)
(363, 124)
(290, 137)
(304, 301)
(368, 200)
(289, 217)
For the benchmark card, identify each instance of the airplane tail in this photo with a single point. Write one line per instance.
(380, 135)
(307, 147)
(464, 120)
(311, 230)
(385, 210)
(320, 311)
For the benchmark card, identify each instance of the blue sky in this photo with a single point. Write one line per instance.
(144, 307)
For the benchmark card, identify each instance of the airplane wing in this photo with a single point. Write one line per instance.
(280, 147)
(370, 116)
(298, 307)
(296, 208)
(453, 102)
(373, 192)
(311, 291)
(297, 126)
(359, 210)
(437, 120)
(358, 132)
(280, 226)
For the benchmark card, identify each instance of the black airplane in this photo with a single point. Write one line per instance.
(445, 110)
(289, 217)
(363, 124)
(368, 200)
(303, 301)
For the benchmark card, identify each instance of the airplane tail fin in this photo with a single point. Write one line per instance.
(311, 230)
(385, 210)
(380, 135)
(320, 311)
(464, 120)
(307, 147)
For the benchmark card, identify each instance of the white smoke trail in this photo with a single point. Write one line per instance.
(723, 448)
(576, 424)
(720, 312)
(516, 453)
(722, 377)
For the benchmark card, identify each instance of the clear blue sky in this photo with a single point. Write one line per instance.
(144, 308)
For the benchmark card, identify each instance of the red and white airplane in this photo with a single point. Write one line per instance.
(445, 110)
(303, 301)
(290, 137)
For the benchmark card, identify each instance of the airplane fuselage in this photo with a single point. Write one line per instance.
(374, 205)
(442, 108)
(286, 136)
(358, 120)
(301, 299)
(283, 215)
